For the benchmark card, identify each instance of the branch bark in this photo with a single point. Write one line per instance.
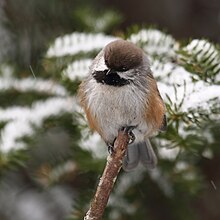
(106, 183)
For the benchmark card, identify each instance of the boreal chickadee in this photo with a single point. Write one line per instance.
(121, 92)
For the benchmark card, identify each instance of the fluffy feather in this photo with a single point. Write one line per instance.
(138, 103)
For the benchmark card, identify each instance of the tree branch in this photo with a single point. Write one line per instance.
(112, 168)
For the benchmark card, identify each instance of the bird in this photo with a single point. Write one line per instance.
(121, 92)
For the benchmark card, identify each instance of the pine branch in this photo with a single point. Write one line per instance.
(112, 168)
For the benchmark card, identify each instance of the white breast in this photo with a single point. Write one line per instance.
(116, 107)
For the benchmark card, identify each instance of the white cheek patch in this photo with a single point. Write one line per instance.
(127, 74)
(100, 65)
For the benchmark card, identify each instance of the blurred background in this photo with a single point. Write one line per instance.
(45, 173)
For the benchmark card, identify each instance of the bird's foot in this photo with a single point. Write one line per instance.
(128, 130)
(131, 135)
(110, 148)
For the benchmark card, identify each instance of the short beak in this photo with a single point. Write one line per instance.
(110, 71)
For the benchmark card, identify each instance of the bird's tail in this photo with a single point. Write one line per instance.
(142, 152)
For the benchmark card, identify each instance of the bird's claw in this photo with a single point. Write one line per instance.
(128, 130)
(131, 135)
(110, 148)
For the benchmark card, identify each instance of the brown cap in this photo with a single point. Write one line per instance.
(122, 55)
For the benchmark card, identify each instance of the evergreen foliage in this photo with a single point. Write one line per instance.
(45, 138)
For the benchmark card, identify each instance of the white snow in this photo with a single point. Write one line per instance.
(173, 80)
(200, 48)
(168, 153)
(155, 42)
(194, 94)
(203, 49)
(78, 42)
(94, 144)
(78, 69)
(32, 84)
(21, 119)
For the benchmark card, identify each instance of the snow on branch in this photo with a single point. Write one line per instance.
(182, 89)
(202, 57)
(74, 43)
(78, 69)
(21, 119)
(178, 84)
(203, 48)
(155, 42)
(32, 84)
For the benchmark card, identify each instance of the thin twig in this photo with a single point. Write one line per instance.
(112, 168)
(32, 72)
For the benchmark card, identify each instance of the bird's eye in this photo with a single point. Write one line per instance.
(123, 69)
